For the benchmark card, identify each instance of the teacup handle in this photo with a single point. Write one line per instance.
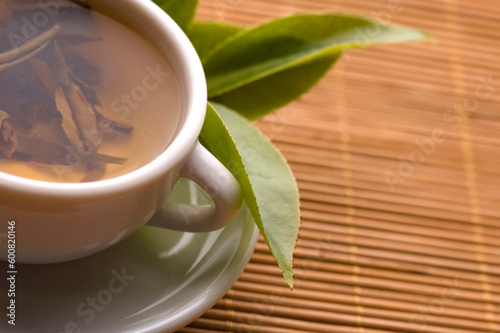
(205, 170)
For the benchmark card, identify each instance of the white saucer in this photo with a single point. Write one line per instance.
(156, 281)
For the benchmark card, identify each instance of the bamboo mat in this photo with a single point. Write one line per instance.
(397, 156)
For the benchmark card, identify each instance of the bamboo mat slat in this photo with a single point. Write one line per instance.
(400, 233)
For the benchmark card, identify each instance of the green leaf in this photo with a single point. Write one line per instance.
(257, 55)
(181, 11)
(257, 98)
(208, 36)
(268, 186)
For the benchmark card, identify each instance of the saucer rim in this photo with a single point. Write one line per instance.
(198, 309)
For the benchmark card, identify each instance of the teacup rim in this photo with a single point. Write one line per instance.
(177, 150)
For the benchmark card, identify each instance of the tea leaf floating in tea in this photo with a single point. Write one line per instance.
(8, 141)
(27, 50)
(82, 112)
(48, 100)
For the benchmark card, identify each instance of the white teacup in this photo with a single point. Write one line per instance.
(55, 222)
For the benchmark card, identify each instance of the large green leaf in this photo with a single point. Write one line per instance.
(268, 186)
(181, 11)
(257, 98)
(207, 36)
(260, 53)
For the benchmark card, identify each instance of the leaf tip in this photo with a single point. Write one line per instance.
(289, 279)
(428, 37)
(424, 36)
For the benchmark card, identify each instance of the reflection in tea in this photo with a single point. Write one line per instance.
(82, 97)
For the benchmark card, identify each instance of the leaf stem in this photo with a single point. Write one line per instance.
(27, 50)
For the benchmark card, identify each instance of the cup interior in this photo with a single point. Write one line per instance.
(152, 23)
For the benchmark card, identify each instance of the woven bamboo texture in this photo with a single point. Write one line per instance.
(397, 157)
